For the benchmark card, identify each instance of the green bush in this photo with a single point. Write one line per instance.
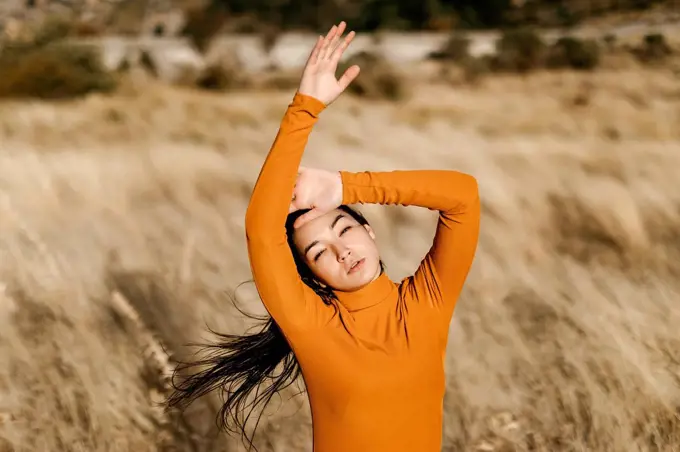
(519, 50)
(378, 78)
(574, 53)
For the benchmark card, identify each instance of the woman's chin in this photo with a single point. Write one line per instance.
(364, 276)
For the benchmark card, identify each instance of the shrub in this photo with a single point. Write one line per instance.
(653, 48)
(575, 53)
(126, 17)
(203, 24)
(52, 29)
(223, 72)
(87, 29)
(474, 69)
(56, 71)
(456, 48)
(283, 80)
(609, 40)
(219, 76)
(567, 16)
(269, 36)
(45, 66)
(216, 77)
(519, 50)
(378, 78)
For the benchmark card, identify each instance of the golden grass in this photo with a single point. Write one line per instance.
(566, 335)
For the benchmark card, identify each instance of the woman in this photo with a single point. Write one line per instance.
(371, 351)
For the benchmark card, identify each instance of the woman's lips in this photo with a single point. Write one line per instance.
(357, 267)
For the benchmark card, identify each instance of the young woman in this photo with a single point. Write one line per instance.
(371, 351)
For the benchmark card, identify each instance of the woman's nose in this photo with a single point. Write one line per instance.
(343, 254)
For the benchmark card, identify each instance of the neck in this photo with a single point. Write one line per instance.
(369, 295)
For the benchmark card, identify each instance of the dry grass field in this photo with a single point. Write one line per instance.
(121, 224)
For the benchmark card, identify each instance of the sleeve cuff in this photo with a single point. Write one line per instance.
(308, 103)
(348, 191)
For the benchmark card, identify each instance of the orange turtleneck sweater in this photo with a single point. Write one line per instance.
(374, 368)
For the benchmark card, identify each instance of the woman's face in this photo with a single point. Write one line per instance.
(332, 243)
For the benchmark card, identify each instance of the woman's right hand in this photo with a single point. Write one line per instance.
(316, 189)
(318, 77)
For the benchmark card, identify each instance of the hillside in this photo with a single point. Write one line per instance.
(123, 225)
(167, 17)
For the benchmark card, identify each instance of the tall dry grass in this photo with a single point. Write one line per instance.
(122, 234)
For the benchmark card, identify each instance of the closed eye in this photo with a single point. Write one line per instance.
(318, 255)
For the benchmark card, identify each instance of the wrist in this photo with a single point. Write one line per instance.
(303, 96)
(339, 188)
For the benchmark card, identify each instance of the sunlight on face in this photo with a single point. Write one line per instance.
(332, 243)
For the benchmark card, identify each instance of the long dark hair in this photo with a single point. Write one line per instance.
(241, 365)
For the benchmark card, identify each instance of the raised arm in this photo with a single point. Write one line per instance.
(442, 273)
(291, 303)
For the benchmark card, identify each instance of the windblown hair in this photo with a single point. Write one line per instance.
(244, 366)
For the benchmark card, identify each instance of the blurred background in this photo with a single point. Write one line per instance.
(132, 133)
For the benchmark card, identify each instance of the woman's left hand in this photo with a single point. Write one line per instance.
(318, 77)
(318, 190)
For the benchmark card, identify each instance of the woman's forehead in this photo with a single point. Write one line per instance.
(328, 220)
(323, 223)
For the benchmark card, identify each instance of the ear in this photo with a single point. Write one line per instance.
(370, 231)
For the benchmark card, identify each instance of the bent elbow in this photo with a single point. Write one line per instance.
(473, 202)
(462, 195)
(473, 187)
(467, 189)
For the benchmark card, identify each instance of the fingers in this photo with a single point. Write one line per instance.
(340, 49)
(332, 40)
(341, 28)
(327, 42)
(348, 77)
(314, 55)
(336, 38)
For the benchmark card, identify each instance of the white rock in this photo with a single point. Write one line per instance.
(176, 64)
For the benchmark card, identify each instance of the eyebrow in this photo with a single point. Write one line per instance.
(315, 242)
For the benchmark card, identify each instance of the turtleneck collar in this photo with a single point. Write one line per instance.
(369, 295)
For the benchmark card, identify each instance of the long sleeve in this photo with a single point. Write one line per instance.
(441, 274)
(291, 303)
